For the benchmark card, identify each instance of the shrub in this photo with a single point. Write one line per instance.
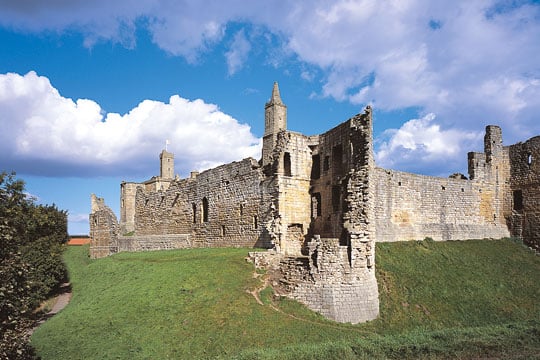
(31, 238)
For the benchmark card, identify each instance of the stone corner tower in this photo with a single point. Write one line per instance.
(166, 165)
(275, 120)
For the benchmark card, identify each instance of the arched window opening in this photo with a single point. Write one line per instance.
(529, 159)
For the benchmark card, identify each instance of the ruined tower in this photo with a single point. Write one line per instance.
(275, 120)
(166, 162)
(493, 144)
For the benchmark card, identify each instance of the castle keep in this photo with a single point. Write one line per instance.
(320, 203)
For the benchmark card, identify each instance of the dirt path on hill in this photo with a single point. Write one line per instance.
(62, 299)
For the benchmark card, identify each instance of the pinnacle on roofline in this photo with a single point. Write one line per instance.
(276, 98)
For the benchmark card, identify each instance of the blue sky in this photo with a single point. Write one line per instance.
(90, 91)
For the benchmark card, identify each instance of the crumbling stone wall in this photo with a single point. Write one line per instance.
(225, 206)
(332, 161)
(337, 278)
(103, 229)
(321, 203)
(326, 282)
(524, 214)
(128, 190)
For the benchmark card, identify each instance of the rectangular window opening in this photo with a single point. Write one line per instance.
(287, 164)
(336, 198)
(518, 200)
(326, 163)
(337, 159)
(316, 167)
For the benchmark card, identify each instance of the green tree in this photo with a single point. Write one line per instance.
(31, 267)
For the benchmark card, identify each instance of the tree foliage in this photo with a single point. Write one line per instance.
(31, 267)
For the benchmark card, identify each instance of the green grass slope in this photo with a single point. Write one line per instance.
(465, 299)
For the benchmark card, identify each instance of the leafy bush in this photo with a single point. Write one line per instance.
(31, 267)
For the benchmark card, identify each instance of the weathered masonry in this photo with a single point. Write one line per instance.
(320, 203)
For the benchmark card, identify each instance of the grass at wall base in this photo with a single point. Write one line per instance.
(461, 299)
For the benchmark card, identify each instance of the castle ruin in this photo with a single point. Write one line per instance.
(320, 203)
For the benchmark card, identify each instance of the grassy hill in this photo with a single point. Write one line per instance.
(466, 299)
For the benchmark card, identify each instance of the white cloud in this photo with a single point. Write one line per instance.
(42, 127)
(78, 218)
(238, 52)
(422, 141)
(472, 63)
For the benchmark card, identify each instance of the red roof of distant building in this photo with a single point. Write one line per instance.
(79, 241)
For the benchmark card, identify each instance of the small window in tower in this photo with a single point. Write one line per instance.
(241, 209)
(255, 222)
(518, 200)
(194, 208)
(529, 159)
(316, 167)
(287, 164)
(205, 209)
(222, 230)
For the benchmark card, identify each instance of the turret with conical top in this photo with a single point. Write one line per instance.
(275, 120)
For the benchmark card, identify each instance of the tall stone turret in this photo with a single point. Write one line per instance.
(275, 120)
(166, 162)
(493, 144)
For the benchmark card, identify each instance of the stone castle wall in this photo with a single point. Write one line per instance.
(153, 242)
(128, 190)
(337, 278)
(524, 217)
(410, 206)
(321, 204)
(326, 283)
(292, 168)
(103, 229)
(225, 206)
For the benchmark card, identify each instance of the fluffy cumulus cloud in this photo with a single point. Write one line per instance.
(469, 62)
(422, 141)
(45, 133)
